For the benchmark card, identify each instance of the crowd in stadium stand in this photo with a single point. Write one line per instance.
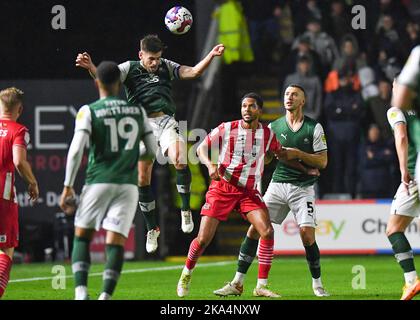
(347, 75)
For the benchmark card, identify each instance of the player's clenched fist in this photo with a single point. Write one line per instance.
(218, 50)
(67, 201)
(84, 60)
(33, 191)
(213, 172)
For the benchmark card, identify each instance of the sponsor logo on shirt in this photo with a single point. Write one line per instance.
(284, 136)
(153, 78)
(3, 238)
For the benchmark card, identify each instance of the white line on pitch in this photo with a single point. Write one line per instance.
(97, 274)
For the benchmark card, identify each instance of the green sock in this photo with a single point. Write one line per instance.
(147, 206)
(247, 254)
(402, 250)
(183, 182)
(80, 261)
(312, 257)
(113, 267)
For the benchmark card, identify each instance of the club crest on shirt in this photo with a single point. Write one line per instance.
(3, 238)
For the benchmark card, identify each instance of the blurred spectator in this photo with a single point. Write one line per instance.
(388, 37)
(332, 83)
(375, 174)
(303, 12)
(285, 21)
(263, 28)
(368, 83)
(388, 65)
(340, 20)
(379, 105)
(413, 8)
(344, 113)
(322, 43)
(349, 55)
(233, 32)
(411, 38)
(395, 8)
(312, 85)
(303, 49)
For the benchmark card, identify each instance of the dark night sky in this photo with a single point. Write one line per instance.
(107, 29)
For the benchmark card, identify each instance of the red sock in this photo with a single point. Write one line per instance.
(265, 258)
(193, 254)
(5, 266)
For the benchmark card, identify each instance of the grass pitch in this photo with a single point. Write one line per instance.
(289, 276)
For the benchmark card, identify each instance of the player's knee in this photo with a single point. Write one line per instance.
(391, 230)
(267, 233)
(180, 165)
(203, 242)
(308, 238)
(143, 179)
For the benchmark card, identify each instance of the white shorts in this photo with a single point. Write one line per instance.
(108, 204)
(166, 131)
(406, 205)
(281, 198)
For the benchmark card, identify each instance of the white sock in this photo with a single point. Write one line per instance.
(239, 278)
(262, 283)
(186, 270)
(317, 283)
(81, 293)
(410, 277)
(104, 296)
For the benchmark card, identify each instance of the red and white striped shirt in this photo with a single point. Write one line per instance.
(241, 152)
(11, 134)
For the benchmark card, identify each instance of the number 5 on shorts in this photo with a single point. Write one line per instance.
(310, 207)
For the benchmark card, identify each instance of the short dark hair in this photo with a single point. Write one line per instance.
(256, 96)
(152, 43)
(108, 72)
(293, 85)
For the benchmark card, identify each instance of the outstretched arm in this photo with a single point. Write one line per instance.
(186, 72)
(84, 60)
(24, 169)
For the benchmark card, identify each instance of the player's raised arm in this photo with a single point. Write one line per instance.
(84, 60)
(24, 169)
(186, 72)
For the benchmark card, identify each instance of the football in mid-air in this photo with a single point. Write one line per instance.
(178, 20)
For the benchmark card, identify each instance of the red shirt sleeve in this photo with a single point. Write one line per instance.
(21, 138)
(215, 136)
(275, 145)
